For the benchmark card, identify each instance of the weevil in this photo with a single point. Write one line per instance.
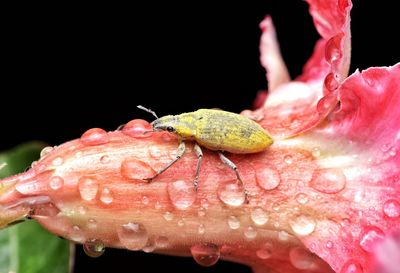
(215, 130)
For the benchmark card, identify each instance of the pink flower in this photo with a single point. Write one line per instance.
(324, 197)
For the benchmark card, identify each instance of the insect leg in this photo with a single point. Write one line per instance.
(179, 152)
(232, 165)
(199, 155)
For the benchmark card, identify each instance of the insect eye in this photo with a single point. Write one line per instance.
(170, 129)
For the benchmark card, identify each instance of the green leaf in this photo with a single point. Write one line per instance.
(27, 247)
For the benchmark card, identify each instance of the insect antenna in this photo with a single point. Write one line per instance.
(147, 110)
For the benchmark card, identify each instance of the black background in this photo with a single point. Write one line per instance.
(68, 68)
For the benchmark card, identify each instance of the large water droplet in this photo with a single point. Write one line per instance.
(370, 237)
(268, 178)
(205, 254)
(391, 208)
(326, 103)
(94, 248)
(136, 169)
(233, 222)
(303, 225)
(56, 182)
(332, 48)
(94, 136)
(330, 82)
(328, 180)
(265, 252)
(46, 151)
(352, 267)
(88, 188)
(182, 194)
(106, 196)
(138, 128)
(132, 236)
(301, 258)
(302, 198)
(231, 193)
(259, 216)
(250, 233)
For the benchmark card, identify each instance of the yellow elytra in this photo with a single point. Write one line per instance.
(216, 130)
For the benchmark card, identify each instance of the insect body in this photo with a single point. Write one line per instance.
(215, 130)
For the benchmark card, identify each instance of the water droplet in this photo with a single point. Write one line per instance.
(276, 206)
(326, 103)
(132, 236)
(168, 216)
(265, 252)
(392, 152)
(268, 178)
(92, 224)
(329, 244)
(94, 136)
(56, 182)
(391, 208)
(330, 82)
(105, 159)
(250, 233)
(332, 48)
(352, 267)
(231, 193)
(162, 242)
(233, 222)
(88, 188)
(182, 194)
(370, 237)
(303, 225)
(302, 198)
(385, 148)
(94, 248)
(78, 154)
(259, 216)
(136, 169)
(328, 180)
(145, 200)
(181, 223)
(283, 235)
(205, 254)
(316, 152)
(58, 161)
(45, 210)
(149, 247)
(301, 258)
(201, 212)
(76, 234)
(82, 210)
(106, 196)
(288, 159)
(138, 128)
(155, 152)
(157, 205)
(201, 229)
(46, 150)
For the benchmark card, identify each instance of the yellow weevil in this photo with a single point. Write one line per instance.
(215, 130)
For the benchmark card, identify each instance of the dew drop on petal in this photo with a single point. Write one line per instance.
(58, 161)
(168, 216)
(149, 247)
(316, 152)
(283, 235)
(95, 136)
(250, 233)
(201, 212)
(56, 182)
(88, 188)
(352, 267)
(231, 193)
(182, 194)
(302, 198)
(181, 223)
(233, 222)
(268, 178)
(303, 225)
(145, 200)
(326, 103)
(288, 159)
(301, 258)
(94, 248)
(259, 216)
(136, 169)
(132, 236)
(105, 159)
(162, 242)
(330, 82)
(138, 128)
(201, 229)
(332, 48)
(205, 254)
(329, 180)
(46, 150)
(391, 208)
(370, 237)
(106, 196)
(92, 224)
(329, 244)
(265, 252)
